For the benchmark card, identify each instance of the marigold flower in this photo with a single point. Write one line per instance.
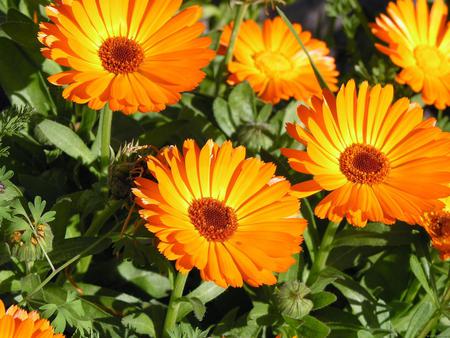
(16, 322)
(226, 215)
(274, 64)
(437, 224)
(418, 40)
(380, 161)
(134, 55)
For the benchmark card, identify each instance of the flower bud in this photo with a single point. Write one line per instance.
(291, 300)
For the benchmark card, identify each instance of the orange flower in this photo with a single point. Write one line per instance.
(226, 215)
(379, 159)
(18, 323)
(437, 224)
(274, 64)
(418, 42)
(134, 55)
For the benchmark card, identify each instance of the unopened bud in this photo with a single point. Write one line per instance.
(291, 300)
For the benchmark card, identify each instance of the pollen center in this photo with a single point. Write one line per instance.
(440, 224)
(362, 163)
(429, 59)
(272, 64)
(121, 55)
(213, 219)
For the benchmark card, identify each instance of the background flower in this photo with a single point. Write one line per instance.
(273, 62)
(418, 40)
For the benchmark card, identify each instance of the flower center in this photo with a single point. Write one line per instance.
(362, 163)
(272, 64)
(440, 224)
(428, 58)
(213, 219)
(121, 55)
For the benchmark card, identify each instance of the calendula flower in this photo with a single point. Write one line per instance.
(18, 323)
(437, 223)
(379, 159)
(418, 40)
(228, 216)
(274, 64)
(133, 55)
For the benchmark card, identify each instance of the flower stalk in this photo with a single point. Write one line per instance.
(241, 9)
(174, 304)
(323, 253)
(105, 138)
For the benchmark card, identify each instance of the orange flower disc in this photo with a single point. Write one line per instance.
(418, 40)
(133, 55)
(380, 161)
(18, 323)
(274, 64)
(228, 216)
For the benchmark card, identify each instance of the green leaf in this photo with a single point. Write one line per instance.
(223, 117)
(152, 283)
(66, 139)
(422, 314)
(29, 283)
(23, 83)
(69, 248)
(313, 328)
(141, 323)
(418, 271)
(242, 104)
(206, 292)
(322, 299)
(197, 305)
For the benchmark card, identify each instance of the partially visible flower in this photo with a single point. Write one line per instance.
(133, 55)
(274, 64)
(379, 159)
(228, 216)
(418, 40)
(437, 224)
(18, 323)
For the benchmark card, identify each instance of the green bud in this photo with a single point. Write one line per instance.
(291, 300)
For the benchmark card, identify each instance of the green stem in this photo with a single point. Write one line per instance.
(174, 306)
(70, 261)
(105, 129)
(324, 250)
(239, 17)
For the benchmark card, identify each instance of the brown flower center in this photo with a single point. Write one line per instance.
(362, 163)
(213, 219)
(440, 224)
(121, 55)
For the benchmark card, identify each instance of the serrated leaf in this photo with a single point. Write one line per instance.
(67, 140)
(223, 117)
(141, 323)
(322, 299)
